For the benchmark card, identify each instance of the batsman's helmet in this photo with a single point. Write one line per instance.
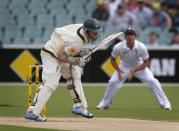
(92, 25)
(130, 31)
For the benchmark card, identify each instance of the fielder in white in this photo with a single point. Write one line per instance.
(63, 55)
(134, 63)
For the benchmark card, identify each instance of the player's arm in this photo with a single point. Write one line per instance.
(76, 51)
(115, 52)
(73, 55)
(115, 65)
(145, 56)
(142, 66)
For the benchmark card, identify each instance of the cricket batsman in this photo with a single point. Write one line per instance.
(64, 54)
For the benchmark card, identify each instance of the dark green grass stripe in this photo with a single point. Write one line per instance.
(19, 128)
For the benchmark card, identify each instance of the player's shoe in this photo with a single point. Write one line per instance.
(31, 116)
(167, 108)
(82, 112)
(102, 106)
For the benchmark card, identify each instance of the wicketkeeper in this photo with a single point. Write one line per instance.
(66, 49)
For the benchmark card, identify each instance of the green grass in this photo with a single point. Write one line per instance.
(18, 128)
(130, 102)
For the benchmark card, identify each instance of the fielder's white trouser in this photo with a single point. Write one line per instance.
(51, 75)
(145, 76)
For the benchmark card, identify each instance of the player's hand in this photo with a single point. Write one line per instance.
(120, 75)
(83, 61)
(85, 52)
(132, 72)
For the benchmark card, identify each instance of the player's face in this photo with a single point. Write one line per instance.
(93, 35)
(130, 39)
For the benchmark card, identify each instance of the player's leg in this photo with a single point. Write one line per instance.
(50, 75)
(36, 95)
(73, 92)
(80, 108)
(153, 84)
(80, 92)
(73, 76)
(35, 99)
(113, 86)
(76, 74)
(66, 70)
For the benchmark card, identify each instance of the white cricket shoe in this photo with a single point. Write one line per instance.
(167, 108)
(103, 106)
(82, 111)
(31, 116)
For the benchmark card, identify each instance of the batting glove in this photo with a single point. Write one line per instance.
(83, 61)
(84, 52)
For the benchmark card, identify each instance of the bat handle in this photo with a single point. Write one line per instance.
(86, 56)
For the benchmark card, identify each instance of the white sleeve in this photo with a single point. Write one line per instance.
(144, 53)
(72, 50)
(63, 57)
(115, 51)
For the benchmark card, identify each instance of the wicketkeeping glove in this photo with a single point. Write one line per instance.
(83, 61)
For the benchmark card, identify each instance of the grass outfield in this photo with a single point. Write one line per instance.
(18, 128)
(130, 102)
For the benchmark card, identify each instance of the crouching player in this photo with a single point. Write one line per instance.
(134, 61)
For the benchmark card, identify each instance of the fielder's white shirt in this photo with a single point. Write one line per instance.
(130, 57)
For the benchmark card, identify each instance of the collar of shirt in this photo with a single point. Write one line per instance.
(82, 35)
(127, 48)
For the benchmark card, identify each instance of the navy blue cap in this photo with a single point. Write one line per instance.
(130, 31)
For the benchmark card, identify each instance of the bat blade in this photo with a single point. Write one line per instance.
(106, 41)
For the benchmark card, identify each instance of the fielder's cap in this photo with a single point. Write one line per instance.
(130, 31)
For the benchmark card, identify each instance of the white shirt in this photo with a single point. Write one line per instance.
(66, 36)
(130, 57)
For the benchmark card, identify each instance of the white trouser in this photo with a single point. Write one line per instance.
(79, 89)
(51, 75)
(145, 76)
